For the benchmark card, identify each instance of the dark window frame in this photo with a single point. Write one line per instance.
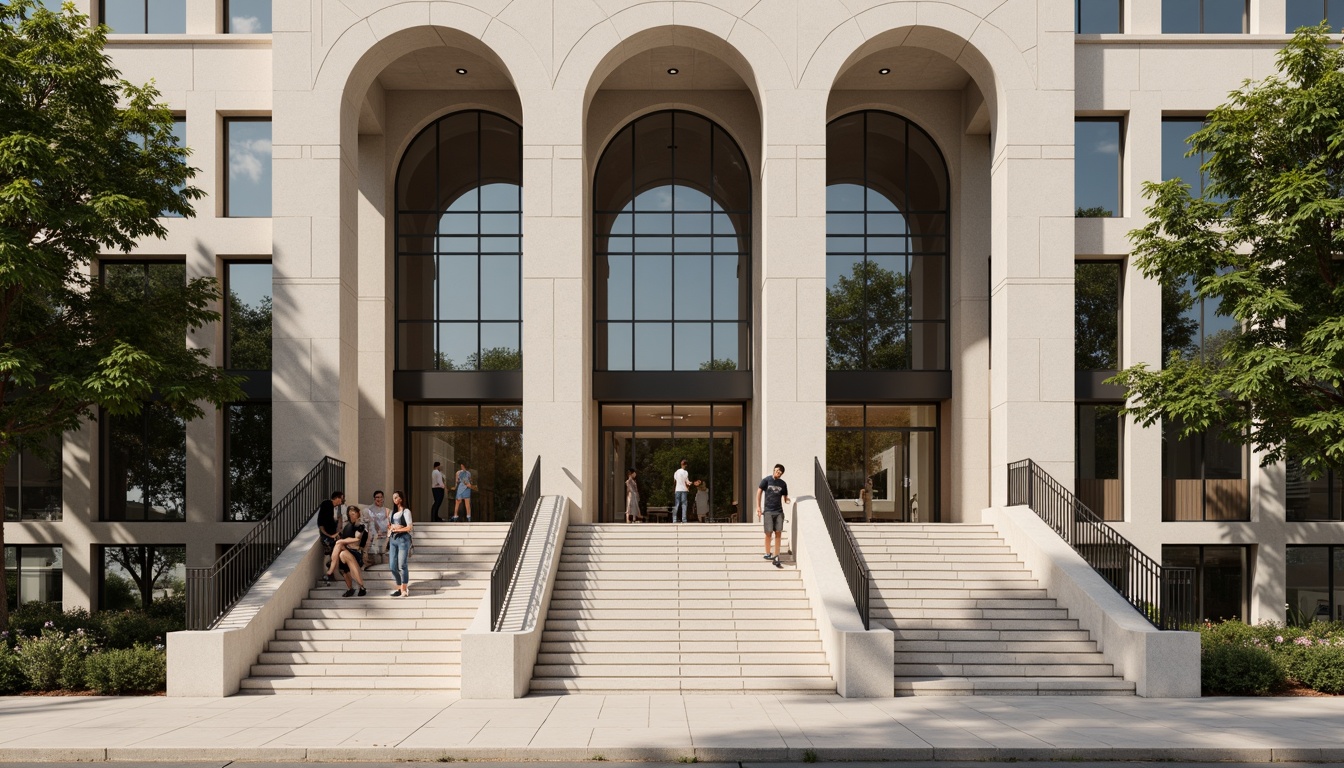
(15, 578)
(1168, 514)
(1078, 19)
(100, 564)
(409, 431)
(399, 365)
(1245, 21)
(1121, 122)
(1119, 265)
(15, 470)
(1334, 498)
(1078, 406)
(256, 386)
(226, 283)
(1335, 608)
(102, 18)
(744, 254)
(936, 430)
(228, 121)
(1247, 582)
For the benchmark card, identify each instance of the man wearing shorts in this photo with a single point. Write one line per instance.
(771, 496)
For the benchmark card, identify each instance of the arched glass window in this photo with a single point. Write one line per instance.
(459, 246)
(671, 248)
(886, 246)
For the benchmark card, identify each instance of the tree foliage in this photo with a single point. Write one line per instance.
(867, 320)
(1263, 244)
(88, 163)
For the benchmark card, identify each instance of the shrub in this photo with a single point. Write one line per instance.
(31, 618)
(55, 659)
(139, 669)
(1239, 669)
(11, 677)
(1322, 667)
(125, 629)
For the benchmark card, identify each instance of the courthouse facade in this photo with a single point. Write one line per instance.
(887, 234)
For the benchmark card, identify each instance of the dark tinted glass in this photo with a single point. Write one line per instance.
(1180, 16)
(1176, 132)
(1224, 17)
(248, 317)
(145, 469)
(1319, 499)
(1308, 585)
(1098, 17)
(139, 576)
(1096, 296)
(33, 482)
(249, 460)
(124, 17)
(247, 17)
(1097, 166)
(166, 17)
(1309, 13)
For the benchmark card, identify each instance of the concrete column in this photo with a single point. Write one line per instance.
(559, 419)
(966, 432)
(1031, 380)
(375, 333)
(789, 410)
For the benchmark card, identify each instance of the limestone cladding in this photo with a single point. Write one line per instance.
(997, 86)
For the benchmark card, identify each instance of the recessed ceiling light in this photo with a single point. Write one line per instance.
(884, 71)
(672, 70)
(461, 71)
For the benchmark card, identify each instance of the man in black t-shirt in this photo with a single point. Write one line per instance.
(771, 496)
(327, 521)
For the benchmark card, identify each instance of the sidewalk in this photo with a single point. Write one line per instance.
(671, 727)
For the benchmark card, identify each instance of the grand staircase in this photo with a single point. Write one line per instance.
(380, 642)
(689, 608)
(970, 619)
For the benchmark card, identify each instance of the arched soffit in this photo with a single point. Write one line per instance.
(942, 130)
(468, 103)
(923, 179)
(746, 134)
(748, 52)
(496, 140)
(364, 49)
(985, 51)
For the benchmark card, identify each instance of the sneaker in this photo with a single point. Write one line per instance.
(326, 578)
(348, 593)
(396, 593)
(778, 564)
(454, 519)
(362, 592)
(768, 556)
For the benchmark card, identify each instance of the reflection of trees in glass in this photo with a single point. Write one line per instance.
(155, 573)
(867, 320)
(1180, 331)
(149, 457)
(1096, 299)
(249, 460)
(719, 364)
(249, 334)
(1094, 212)
(491, 359)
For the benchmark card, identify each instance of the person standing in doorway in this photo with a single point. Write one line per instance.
(631, 496)
(436, 485)
(680, 492)
(771, 496)
(399, 547)
(463, 484)
(702, 502)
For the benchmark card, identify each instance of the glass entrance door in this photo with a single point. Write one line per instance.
(882, 462)
(488, 437)
(653, 439)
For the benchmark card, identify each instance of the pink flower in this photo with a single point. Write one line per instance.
(1303, 641)
(1278, 638)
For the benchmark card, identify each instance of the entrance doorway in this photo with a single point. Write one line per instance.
(653, 439)
(882, 462)
(488, 437)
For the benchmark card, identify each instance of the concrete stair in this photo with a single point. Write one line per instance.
(379, 642)
(969, 618)
(690, 608)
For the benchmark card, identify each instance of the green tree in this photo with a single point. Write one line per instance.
(88, 163)
(719, 364)
(249, 334)
(1264, 244)
(1095, 212)
(866, 320)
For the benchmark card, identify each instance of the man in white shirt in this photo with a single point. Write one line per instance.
(681, 493)
(436, 486)
(376, 520)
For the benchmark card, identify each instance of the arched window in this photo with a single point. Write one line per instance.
(459, 246)
(672, 248)
(886, 246)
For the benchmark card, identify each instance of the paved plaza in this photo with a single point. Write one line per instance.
(351, 727)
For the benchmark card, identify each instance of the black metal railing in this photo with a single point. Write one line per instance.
(213, 591)
(1163, 594)
(851, 562)
(501, 576)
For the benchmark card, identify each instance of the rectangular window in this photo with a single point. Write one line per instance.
(139, 17)
(1194, 327)
(1207, 17)
(1096, 323)
(34, 574)
(882, 462)
(1098, 146)
(1204, 477)
(33, 482)
(179, 133)
(1309, 13)
(247, 17)
(1315, 584)
(131, 577)
(1321, 499)
(249, 460)
(1098, 17)
(247, 316)
(247, 142)
(1098, 448)
(1221, 574)
(1176, 133)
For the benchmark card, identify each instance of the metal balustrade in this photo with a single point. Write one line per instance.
(501, 576)
(1164, 595)
(212, 592)
(846, 550)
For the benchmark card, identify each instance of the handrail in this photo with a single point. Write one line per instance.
(501, 576)
(213, 591)
(1164, 595)
(846, 550)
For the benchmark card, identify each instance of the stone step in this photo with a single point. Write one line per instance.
(1088, 657)
(638, 616)
(903, 615)
(369, 670)
(385, 614)
(1002, 670)
(1002, 624)
(357, 658)
(325, 684)
(609, 625)
(453, 599)
(988, 635)
(1009, 592)
(992, 686)
(446, 647)
(677, 670)
(683, 647)
(365, 634)
(381, 624)
(897, 603)
(904, 648)
(719, 685)
(603, 602)
(643, 657)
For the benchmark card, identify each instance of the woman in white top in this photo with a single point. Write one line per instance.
(399, 545)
